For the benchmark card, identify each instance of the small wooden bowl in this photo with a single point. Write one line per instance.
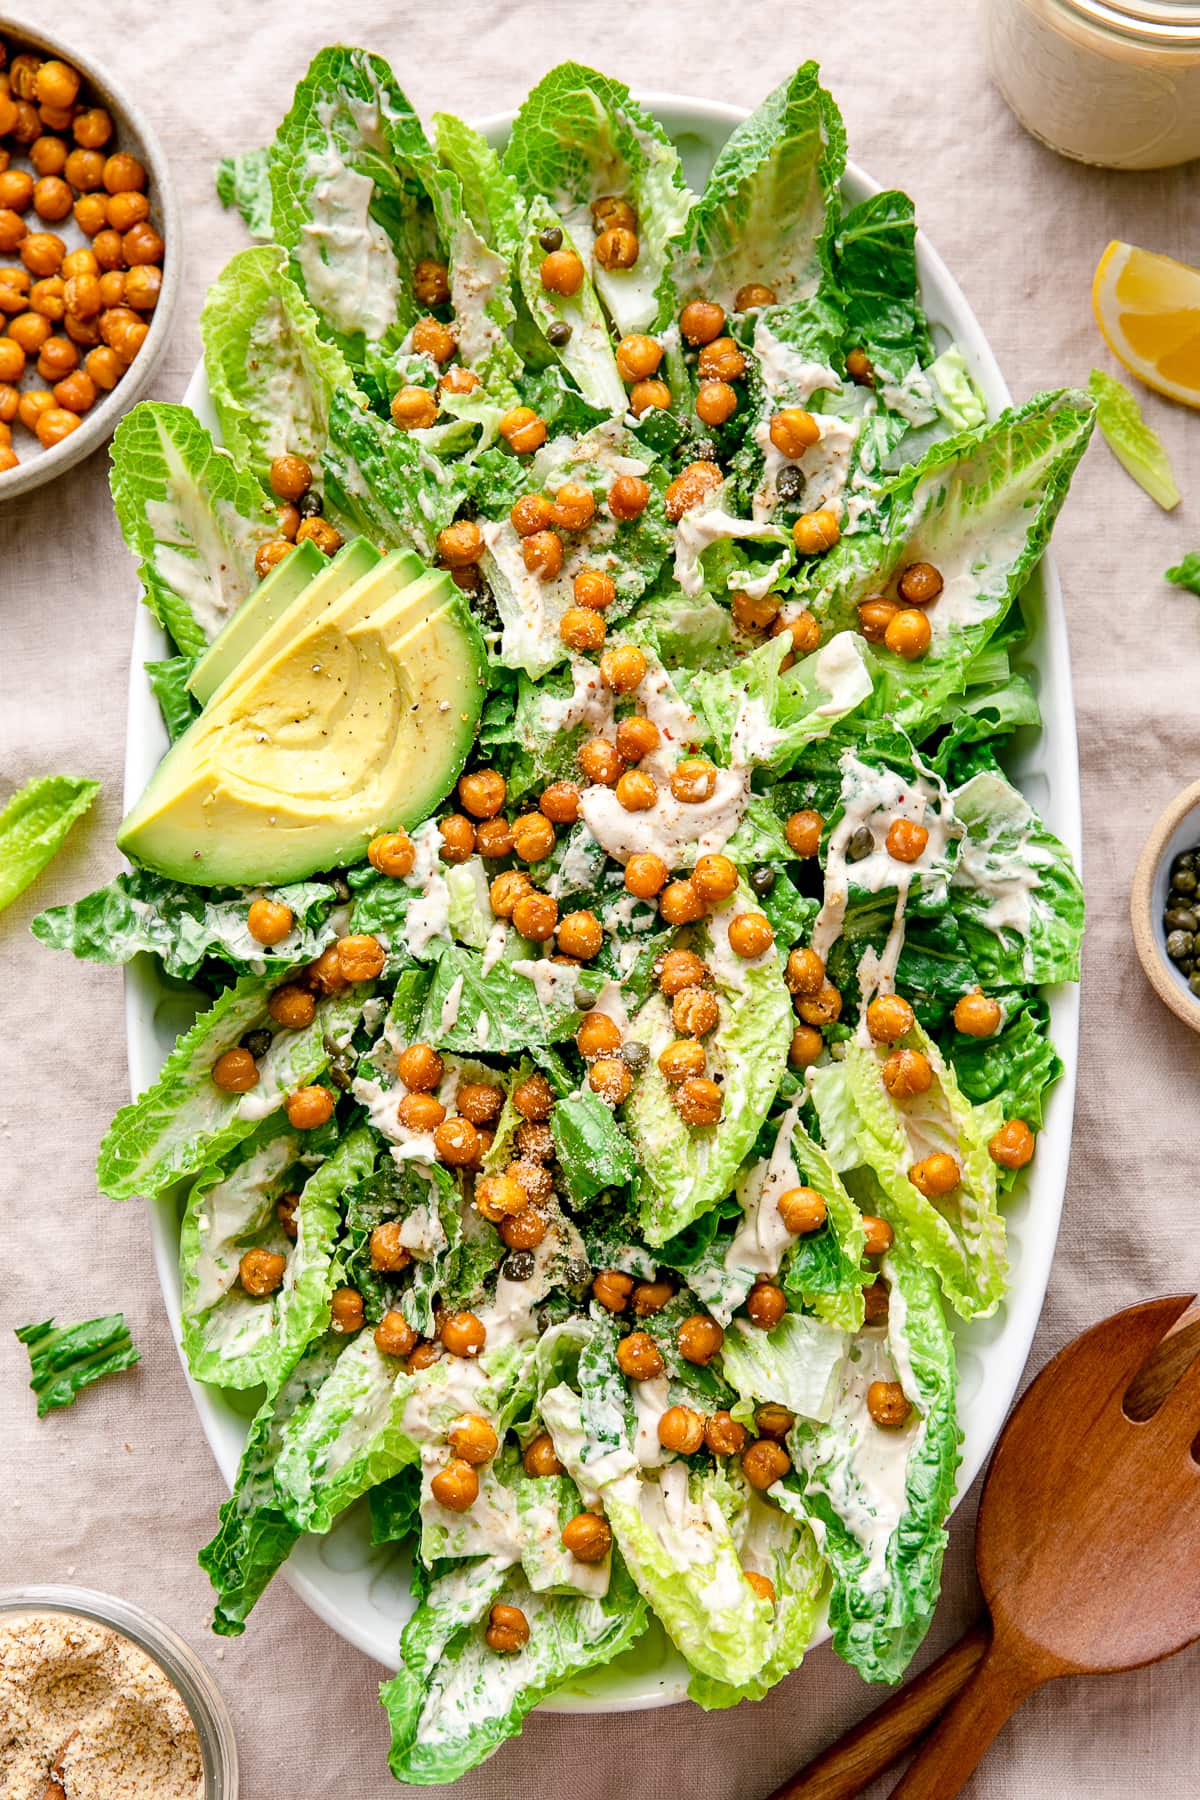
(1177, 829)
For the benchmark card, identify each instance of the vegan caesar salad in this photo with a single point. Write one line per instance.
(619, 945)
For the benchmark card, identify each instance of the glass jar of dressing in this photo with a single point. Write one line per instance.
(1114, 82)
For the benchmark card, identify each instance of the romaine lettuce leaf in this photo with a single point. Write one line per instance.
(244, 181)
(514, 1007)
(882, 1496)
(394, 1506)
(587, 355)
(1016, 1068)
(64, 1359)
(386, 483)
(141, 911)
(34, 824)
(491, 199)
(758, 714)
(1186, 574)
(190, 516)
(168, 680)
(580, 137)
(796, 1363)
(593, 1151)
(184, 1121)
(876, 266)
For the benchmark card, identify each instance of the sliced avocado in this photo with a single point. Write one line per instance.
(322, 583)
(321, 738)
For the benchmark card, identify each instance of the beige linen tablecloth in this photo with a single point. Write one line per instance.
(118, 1492)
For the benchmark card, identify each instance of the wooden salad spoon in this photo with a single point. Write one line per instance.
(1087, 1547)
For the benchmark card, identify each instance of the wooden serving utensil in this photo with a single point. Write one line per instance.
(1087, 1546)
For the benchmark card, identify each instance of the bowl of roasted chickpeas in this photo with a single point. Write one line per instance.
(89, 257)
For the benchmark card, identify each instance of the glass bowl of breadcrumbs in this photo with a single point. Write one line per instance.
(99, 1701)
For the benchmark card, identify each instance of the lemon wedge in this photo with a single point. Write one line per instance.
(1148, 310)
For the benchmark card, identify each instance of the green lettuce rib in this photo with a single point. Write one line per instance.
(64, 1359)
(33, 826)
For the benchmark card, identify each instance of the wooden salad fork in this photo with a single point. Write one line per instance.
(1087, 1547)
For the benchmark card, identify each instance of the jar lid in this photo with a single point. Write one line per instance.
(1147, 21)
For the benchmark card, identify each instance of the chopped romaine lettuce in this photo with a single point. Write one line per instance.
(33, 826)
(64, 1359)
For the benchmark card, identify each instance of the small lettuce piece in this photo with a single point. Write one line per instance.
(34, 825)
(384, 481)
(884, 1540)
(141, 911)
(683, 632)
(1136, 446)
(64, 1359)
(758, 713)
(500, 1013)
(783, 1549)
(244, 181)
(961, 1236)
(184, 1121)
(980, 507)
(687, 1169)
(271, 374)
(1015, 891)
(768, 212)
(454, 1701)
(1186, 574)
(996, 699)
(593, 1151)
(796, 1363)
(168, 680)
(876, 266)
(231, 1337)
(823, 1270)
(587, 356)
(190, 516)
(491, 199)
(677, 1540)
(959, 401)
(394, 1506)
(254, 1537)
(580, 136)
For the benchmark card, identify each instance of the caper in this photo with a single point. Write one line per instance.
(551, 238)
(861, 844)
(704, 450)
(1184, 881)
(518, 1265)
(1185, 860)
(310, 505)
(577, 1271)
(762, 879)
(789, 485)
(1187, 965)
(559, 333)
(1181, 918)
(257, 1043)
(635, 1055)
(585, 997)
(1194, 983)
(337, 881)
(1180, 944)
(341, 1072)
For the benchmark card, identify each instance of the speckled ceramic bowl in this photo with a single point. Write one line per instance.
(133, 133)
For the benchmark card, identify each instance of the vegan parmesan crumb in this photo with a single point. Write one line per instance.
(84, 1708)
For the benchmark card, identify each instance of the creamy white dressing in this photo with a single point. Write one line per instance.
(228, 1212)
(841, 670)
(786, 373)
(651, 1399)
(825, 466)
(493, 950)
(203, 551)
(912, 397)
(973, 550)
(428, 916)
(348, 264)
(553, 982)
(707, 524)
(448, 1017)
(762, 1240)
(611, 1002)
(998, 858)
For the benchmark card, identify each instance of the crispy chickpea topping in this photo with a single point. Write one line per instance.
(802, 1210)
(935, 1176)
(976, 1015)
(628, 497)
(907, 1073)
(539, 1458)
(507, 1630)
(639, 1357)
(888, 1018)
(682, 1430)
(588, 1537)
(1012, 1146)
(261, 1272)
(701, 321)
(888, 1405)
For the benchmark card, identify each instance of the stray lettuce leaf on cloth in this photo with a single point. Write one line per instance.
(1186, 574)
(64, 1359)
(1136, 446)
(34, 824)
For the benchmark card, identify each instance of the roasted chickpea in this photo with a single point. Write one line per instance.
(533, 1098)
(48, 154)
(815, 532)
(628, 497)
(81, 296)
(325, 975)
(574, 507)
(611, 210)
(716, 402)
(804, 972)
(493, 838)
(1012, 1146)
(56, 358)
(766, 1304)
(935, 1176)
(638, 356)
(693, 780)
(681, 1429)
(127, 210)
(701, 321)
(8, 458)
(92, 128)
(392, 853)
(649, 1297)
(285, 1212)
(695, 1012)
(859, 368)
(690, 487)
(543, 554)
(361, 957)
(536, 916)
(123, 173)
(752, 295)
(874, 617)
(623, 668)
(760, 1585)
(522, 430)
(499, 1196)
(803, 1211)
(13, 229)
(909, 635)
(600, 762)
(581, 630)
(588, 1538)
(639, 1357)
(456, 1142)
(524, 1230)
(646, 396)
(91, 213)
(878, 1236)
(773, 1421)
(682, 1059)
(31, 123)
(388, 1253)
(750, 934)
(539, 1458)
(560, 802)
(823, 1008)
(888, 1405)
(699, 1338)
(698, 1101)
(42, 252)
(16, 191)
(457, 380)
(421, 1113)
(919, 584)
(562, 273)
(84, 169)
(793, 431)
(420, 1068)
(616, 248)
(10, 399)
(636, 791)
(53, 200)
(594, 590)
(645, 875)
(530, 514)
(414, 408)
(320, 532)
(889, 1017)
(32, 404)
(431, 338)
(506, 890)
(803, 832)
(753, 613)
(309, 1107)
(716, 878)
(473, 1439)
(906, 840)
(722, 359)
(458, 838)
(535, 1141)
(106, 247)
(261, 1272)
(723, 1435)
(269, 922)
(104, 367)
(236, 1072)
(480, 1102)
(612, 1288)
(483, 793)
(764, 1462)
(679, 903)
(581, 935)
(55, 84)
(802, 628)
(12, 360)
(394, 1336)
(462, 1334)
(292, 1007)
(507, 1630)
(976, 1015)
(456, 1487)
(907, 1073)
(609, 1077)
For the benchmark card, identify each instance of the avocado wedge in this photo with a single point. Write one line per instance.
(350, 720)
